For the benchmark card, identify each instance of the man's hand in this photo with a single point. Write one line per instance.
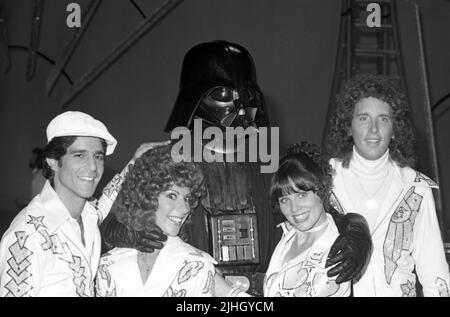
(116, 234)
(144, 147)
(352, 249)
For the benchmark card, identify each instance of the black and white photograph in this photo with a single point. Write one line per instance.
(240, 149)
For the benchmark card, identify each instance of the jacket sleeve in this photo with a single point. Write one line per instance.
(111, 191)
(105, 285)
(194, 279)
(428, 250)
(205, 284)
(22, 264)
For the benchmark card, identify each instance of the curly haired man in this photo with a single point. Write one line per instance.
(371, 143)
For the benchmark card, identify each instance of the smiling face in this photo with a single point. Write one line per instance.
(173, 209)
(78, 172)
(372, 127)
(303, 209)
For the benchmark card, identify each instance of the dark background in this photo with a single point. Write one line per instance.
(293, 43)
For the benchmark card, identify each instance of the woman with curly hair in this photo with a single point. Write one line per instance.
(157, 192)
(371, 143)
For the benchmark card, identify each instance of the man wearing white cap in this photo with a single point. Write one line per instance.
(52, 247)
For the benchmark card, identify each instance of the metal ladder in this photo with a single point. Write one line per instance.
(363, 49)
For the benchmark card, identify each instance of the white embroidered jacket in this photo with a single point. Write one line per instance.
(405, 236)
(42, 254)
(180, 270)
(305, 275)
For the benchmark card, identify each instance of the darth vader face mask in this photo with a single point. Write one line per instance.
(226, 107)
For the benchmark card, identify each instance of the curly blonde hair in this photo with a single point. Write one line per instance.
(153, 173)
(339, 143)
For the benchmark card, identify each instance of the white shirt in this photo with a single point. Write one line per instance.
(405, 232)
(42, 252)
(304, 275)
(180, 270)
(42, 255)
(370, 180)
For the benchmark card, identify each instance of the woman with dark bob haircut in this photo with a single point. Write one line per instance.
(157, 191)
(371, 145)
(301, 190)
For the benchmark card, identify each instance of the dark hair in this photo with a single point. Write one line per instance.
(37, 158)
(302, 168)
(339, 142)
(56, 149)
(153, 173)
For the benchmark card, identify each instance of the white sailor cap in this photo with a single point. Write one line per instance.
(77, 123)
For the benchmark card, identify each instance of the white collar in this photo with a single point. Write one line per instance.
(318, 252)
(55, 213)
(370, 169)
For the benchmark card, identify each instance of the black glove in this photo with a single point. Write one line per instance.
(352, 249)
(116, 234)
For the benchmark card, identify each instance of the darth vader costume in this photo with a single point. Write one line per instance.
(235, 222)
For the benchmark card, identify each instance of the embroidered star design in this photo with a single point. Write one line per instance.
(36, 221)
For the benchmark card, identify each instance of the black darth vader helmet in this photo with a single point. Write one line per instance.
(218, 85)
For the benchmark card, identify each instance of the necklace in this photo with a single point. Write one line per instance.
(302, 243)
(319, 227)
(302, 236)
(371, 202)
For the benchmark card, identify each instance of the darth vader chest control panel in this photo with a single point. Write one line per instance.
(235, 246)
(235, 239)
